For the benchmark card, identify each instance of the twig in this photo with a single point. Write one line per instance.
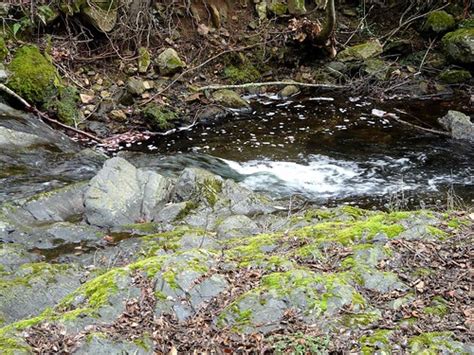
(271, 83)
(45, 117)
(430, 130)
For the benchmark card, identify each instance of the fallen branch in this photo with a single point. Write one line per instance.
(271, 83)
(429, 130)
(44, 116)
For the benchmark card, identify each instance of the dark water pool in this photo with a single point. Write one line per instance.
(330, 149)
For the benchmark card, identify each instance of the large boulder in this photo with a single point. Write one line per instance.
(459, 45)
(169, 62)
(459, 125)
(122, 194)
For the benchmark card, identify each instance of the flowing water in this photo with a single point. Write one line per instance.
(329, 150)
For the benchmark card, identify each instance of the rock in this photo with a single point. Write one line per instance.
(229, 98)
(261, 9)
(459, 45)
(296, 7)
(86, 99)
(33, 77)
(237, 226)
(136, 86)
(4, 9)
(169, 62)
(288, 91)
(377, 68)
(99, 344)
(144, 60)
(31, 288)
(361, 51)
(455, 76)
(459, 125)
(245, 202)
(439, 22)
(277, 7)
(102, 14)
(197, 185)
(12, 256)
(3, 74)
(159, 117)
(118, 115)
(121, 194)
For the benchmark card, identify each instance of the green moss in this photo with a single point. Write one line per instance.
(3, 49)
(298, 344)
(378, 340)
(170, 277)
(190, 206)
(455, 76)
(210, 189)
(12, 346)
(438, 307)
(435, 343)
(436, 232)
(439, 21)
(66, 105)
(150, 266)
(244, 73)
(360, 319)
(33, 76)
(347, 233)
(159, 117)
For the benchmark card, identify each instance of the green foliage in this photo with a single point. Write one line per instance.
(299, 344)
(3, 49)
(159, 117)
(33, 76)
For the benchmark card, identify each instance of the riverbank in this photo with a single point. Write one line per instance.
(134, 261)
(157, 88)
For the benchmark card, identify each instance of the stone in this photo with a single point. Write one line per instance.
(296, 7)
(459, 45)
(242, 201)
(229, 98)
(455, 76)
(102, 14)
(136, 86)
(237, 226)
(121, 194)
(86, 99)
(288, 91)
(361, 51)
(439, 22)
(169, 62)
(144, 60)
(459, 125)
(277, 7)
(197, 185)
(118, 115)
(99, 344)
(261, 9)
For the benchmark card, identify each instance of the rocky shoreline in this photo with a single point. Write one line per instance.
(132, 261)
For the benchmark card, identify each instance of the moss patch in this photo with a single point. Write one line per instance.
(244, 73)
(33, 76)
(159, 117)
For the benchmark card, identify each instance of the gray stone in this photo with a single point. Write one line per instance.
(229, 98)
(3, 75)
(197, 185)
(102, 14)
(12, 256)
(361, 51)
(31, 288)
(245, 202)
(296, 7)
(288, 91)
(169, 62)
(136, 86)
(101, 345)
(382, 282)
(237, 226)
(459, 125)
(121, 194)
(459, 45)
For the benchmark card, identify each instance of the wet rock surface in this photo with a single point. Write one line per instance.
(214, 265)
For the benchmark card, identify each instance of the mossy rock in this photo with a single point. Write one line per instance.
(229, 98)
(459, 45)
(467, 23)
(169, 62)
(439, 22)
(159, 117)
(361, 51)
(244, 73)
(32, 76)
(455, 76)
(277, 7)
(66, 105)
(296, 7)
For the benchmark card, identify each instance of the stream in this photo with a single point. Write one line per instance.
(327, 149)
